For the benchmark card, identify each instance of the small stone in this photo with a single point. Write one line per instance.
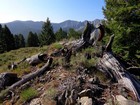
(85, 101)
(36, 101)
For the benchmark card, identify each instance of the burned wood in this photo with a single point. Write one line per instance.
(28, 77)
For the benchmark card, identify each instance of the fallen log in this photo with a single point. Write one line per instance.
(36, 59)
(27, 78)
(115, 69)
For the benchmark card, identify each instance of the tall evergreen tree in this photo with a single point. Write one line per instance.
(2, 40)
(32, 40)
(60, 34)
(47, 35)
(21, 41)
(123, 19)
(9, 39)
(16, 37)
(36, 40)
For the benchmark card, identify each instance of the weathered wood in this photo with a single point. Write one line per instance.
(110, 65)
(28, 77)
(109, 45)
(36, 59)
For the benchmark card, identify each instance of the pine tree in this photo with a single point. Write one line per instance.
(21, 41)
(32, 40)
(8, 39)
(36, 40)
(16, 37)
(60, 34)
(123, 18)
(2, 40)
(47, 35)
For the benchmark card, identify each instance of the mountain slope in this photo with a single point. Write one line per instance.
(24, 27)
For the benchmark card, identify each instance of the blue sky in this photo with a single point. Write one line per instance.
(56, 10)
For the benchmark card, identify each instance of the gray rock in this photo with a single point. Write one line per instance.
(7, 79)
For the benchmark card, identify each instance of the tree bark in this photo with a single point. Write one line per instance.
(115, 69)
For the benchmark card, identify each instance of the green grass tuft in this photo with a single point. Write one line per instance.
(28, 94)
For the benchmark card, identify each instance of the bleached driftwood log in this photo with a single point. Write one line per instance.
(110, 65)
(28, 77)
(36, 59)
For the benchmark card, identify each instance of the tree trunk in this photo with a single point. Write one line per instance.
(110, 65)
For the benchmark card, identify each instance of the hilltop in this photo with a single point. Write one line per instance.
(80, 81)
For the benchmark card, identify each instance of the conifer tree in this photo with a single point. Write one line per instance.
(2, 40)
(16, 37)
(123, 20)
(60, 34)
(32, 40)
(9, 39)
(47, 35)
(21, 41)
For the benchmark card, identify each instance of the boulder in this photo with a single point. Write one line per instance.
(7, 79)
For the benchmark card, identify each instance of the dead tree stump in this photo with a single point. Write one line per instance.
(115, 69)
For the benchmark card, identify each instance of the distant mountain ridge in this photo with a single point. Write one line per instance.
(24, 27)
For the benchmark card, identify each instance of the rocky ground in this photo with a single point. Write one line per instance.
(66, 83)
(61, 86)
